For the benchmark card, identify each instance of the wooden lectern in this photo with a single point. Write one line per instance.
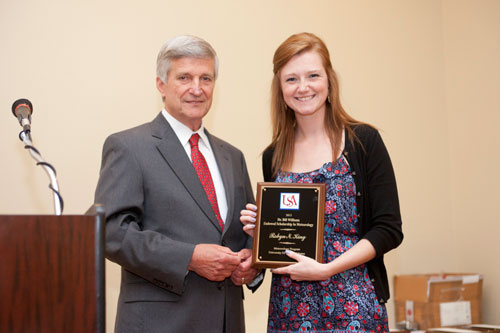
(52, 273)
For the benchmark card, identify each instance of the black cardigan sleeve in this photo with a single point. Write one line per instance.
(382, 221)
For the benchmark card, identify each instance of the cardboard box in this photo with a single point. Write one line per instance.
(438, 300)
(484, 328)
(478, 328)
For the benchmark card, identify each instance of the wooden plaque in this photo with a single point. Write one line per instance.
(290, 216)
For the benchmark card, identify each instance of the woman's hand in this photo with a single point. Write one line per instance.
(306, 269)
(248, 218)
(309, 269)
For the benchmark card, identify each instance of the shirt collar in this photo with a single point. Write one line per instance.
(183, 132)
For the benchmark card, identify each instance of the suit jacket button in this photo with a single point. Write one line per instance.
(220, 286)
(223, 243)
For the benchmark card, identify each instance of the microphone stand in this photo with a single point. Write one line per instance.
(25, 137)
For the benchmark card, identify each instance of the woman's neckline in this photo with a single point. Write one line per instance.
(307, 172)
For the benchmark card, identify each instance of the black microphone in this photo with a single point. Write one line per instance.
(22, 110)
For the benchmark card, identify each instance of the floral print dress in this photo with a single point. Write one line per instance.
(346, 302)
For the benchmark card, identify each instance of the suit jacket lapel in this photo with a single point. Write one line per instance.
(174, 154)
(226, 172)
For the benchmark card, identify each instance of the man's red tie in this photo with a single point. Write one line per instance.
(201, 167)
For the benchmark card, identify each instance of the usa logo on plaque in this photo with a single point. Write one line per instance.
(290, 201)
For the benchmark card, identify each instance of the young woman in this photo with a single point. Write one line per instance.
(316, 141)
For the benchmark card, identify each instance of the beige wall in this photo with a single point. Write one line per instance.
(424, 71)
(472, 77)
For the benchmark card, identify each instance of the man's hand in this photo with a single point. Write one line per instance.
(213, 262)
(244, 273)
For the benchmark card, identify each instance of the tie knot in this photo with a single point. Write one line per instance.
(193, 140)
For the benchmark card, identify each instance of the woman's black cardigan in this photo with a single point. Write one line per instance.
(379, 217)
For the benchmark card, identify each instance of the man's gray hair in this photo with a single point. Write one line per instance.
(184, 47)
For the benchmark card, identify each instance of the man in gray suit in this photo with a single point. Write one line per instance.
(172, 193)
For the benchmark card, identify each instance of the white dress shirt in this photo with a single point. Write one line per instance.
(184, 133)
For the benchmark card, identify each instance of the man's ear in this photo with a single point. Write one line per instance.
(160, 85)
